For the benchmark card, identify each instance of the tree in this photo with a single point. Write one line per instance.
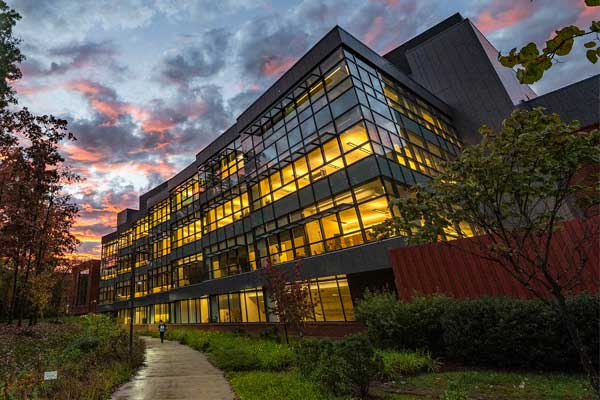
(292, 300)
(36, 214)
(10, 55)
(534, 63)
(515, 188)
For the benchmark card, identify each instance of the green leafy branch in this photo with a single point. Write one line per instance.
(533, 62)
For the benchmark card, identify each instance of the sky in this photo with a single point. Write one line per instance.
(146, 84)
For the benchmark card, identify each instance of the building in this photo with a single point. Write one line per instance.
(305, 173)
(83, 287)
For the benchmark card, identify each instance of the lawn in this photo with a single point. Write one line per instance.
(473, 384)
(89, 353)
(283, 385)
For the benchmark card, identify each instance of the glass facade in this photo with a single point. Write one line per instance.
(330, 297)
(312, 175)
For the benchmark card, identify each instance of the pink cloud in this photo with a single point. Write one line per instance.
(79, 154)
(277, 66)
(501, 15)
(376, 29)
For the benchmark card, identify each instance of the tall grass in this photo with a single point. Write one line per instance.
(89, 353)
(232, 352)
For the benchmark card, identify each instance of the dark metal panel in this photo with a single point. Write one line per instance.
(183, 175)
(218, 144)
(579, 101)
(453, 65)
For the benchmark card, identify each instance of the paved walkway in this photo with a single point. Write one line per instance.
(175, 371)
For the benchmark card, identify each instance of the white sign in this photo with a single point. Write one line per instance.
(50, 375)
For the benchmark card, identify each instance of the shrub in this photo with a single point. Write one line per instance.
(378, 311)
(398, 364)
(349, 366)
(518, 333)
(231, 358)
(308, 352)
(498, 332)
(403, 325)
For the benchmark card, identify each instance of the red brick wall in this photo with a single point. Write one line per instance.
(450, 269)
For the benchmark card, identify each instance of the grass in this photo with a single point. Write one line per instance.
(397, 364)
(489, 385)
(262, 385)
(90, 355)
(232, 352)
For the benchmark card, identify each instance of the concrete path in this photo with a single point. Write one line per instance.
(174, 371)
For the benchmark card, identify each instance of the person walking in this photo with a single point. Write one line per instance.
(162, 328)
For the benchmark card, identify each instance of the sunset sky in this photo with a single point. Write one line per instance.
(145, 84)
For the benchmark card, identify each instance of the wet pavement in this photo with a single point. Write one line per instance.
(175, 371)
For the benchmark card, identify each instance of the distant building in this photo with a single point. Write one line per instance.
(83, 287)
(307, 171)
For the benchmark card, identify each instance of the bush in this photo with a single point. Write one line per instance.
(348, 366)
(401, 325)
(497, 332)
(308, 353)
(398, 364)
(231, 358)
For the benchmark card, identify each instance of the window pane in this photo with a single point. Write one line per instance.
(204, 310)
(223, 308)
(330, 299)
(235, 307)
(349, 220)
(343, 103)
(331, 150)
(252, 306)
(315, 159)
(374, 212)
(184, 309)
(353, 137)
(330, 226)
(346, 299)
(316, 299)
(368, 191)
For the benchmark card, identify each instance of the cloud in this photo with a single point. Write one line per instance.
(204, 57)
(503, 14)
(73, 57)
(374, 31)
(265, 47)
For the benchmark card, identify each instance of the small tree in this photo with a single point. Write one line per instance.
(292, 300)
(516, 189)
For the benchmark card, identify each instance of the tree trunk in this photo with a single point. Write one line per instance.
(285, 331)
(584, 357)
(13, 302)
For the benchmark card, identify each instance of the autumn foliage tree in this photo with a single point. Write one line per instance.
(291, 297)
(36, 214)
